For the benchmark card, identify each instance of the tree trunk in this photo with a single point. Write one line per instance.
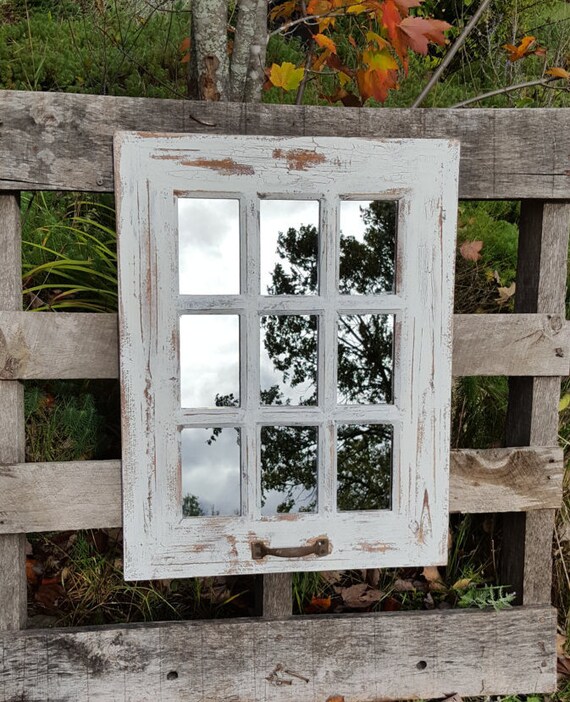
(209, 66)
(211, 75)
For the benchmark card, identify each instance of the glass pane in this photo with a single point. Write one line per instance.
(288, 469)
(365, 358)
(210, 472)
(209, 360)
(208, 246)
(367, 246)
(364, 466)
(289, 247)
(288, 359)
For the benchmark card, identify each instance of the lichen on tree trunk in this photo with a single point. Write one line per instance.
(215, 76)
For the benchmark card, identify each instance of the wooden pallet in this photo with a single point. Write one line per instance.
(63, 142)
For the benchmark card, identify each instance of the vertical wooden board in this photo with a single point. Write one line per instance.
(13, 594)
(532, 417)
(277, 595)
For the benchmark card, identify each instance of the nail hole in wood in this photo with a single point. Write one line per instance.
(421, 665)
(172, 675)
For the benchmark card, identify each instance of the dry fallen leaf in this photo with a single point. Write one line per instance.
(505, 294)
(403, 586)
(331, 576)
(359, 596)
(335, 698)
(433, 576)
(470, 250)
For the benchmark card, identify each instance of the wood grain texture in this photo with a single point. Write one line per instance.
(360, 658)
(63, 142)
(71, 345)
(87, 494)
(13, 589)
(532, 417)
(51, 345)
(274, 593)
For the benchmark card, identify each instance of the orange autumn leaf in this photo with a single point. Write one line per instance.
(373, 83)
(286, 76)
(405, 5)
(558, 72)
(391, 18)
(185, 50)
(470, 250)
(283, 10)
(525, 48)
(418, 32)
(318, 604)
(325, 42)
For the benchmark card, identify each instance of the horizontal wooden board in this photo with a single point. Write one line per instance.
(58, 346)
(356, 658)
(52, 141)
(87, 494)
(70, 345)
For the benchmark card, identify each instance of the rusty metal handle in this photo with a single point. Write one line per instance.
(320, 547)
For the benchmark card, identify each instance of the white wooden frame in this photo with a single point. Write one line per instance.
(151, 172)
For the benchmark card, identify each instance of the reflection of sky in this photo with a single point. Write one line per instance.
(209, 351)
(212, 471)
(208, 233)
(351, 222)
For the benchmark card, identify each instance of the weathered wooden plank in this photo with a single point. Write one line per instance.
(275, 592)
(533, 402)
(63, 142)
(13, 591)
(359, 658)
(70, 345)
(58, 346)
(87, 494)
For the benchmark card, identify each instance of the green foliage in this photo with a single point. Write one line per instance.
(69, 252)
(485, 597)
(110, 51)
(61, 425)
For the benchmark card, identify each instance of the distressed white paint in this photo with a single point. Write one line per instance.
(151, 172)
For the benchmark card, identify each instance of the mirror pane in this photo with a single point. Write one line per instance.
(288, 371)
(365, 358)
(209, 360)
(367, 246)
(289, 233)
(288, 469)
(208, 246)
(210, 472)
(364, 466)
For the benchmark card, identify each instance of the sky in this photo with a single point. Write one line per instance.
(209, 344)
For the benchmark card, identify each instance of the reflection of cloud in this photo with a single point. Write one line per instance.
(211, 472)
(278, 216)
(209, 246)
(351, 221)
(209, 358)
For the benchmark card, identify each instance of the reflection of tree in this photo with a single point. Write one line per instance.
(364, 363)
(288, 454)
(191, 506)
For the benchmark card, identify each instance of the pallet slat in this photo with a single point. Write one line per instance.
(13, 588)
(87, 494)
(72, 345)
(532, 416)
(63, 142)
(354, 657)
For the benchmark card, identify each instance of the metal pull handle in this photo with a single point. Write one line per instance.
(320, 547)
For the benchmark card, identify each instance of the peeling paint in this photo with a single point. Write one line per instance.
(299, 159)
